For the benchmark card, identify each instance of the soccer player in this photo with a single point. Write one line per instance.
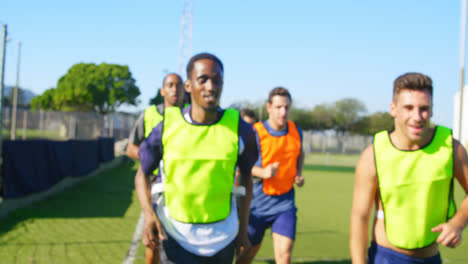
(408, 175)
(278, 168)
(173, 93)
(196, 217)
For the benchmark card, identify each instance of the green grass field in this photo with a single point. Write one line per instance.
(33, 134)
(324, 206)
(94, 221)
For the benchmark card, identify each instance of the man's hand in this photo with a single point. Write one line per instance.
(243, 247)
(450, 236)
(150, 229)
(270, 170)
(299, 180)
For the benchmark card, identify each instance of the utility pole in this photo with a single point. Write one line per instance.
(185, 41)
(2, 71)
(462, 69)
(15, 96)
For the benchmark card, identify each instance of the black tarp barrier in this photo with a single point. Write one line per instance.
(31, 166)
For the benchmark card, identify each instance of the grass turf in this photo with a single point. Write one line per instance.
(93, 222)
(324, 207)
(33, 134)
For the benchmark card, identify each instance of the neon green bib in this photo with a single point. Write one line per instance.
(416, 188)
(152, 119)
(199, 166)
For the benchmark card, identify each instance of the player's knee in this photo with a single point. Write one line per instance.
(283, 256)
(283, 252)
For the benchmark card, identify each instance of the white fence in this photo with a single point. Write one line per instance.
(330, 141)
(67, 125)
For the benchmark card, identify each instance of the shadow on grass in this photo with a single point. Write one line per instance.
(108, 194)
(346, 261)
(329, 168)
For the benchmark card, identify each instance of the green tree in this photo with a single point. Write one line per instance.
(44, 101)
(302, 118)
(369, 125)
(346, 112)
(322, 117)
(89, 87)
(157, 99)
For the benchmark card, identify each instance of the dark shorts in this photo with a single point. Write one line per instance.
(382, 255)
(283, 223)
(171, 252)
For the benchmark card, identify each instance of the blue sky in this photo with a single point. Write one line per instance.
(322, 51)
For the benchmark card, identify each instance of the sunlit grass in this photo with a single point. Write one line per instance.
(33, 134)
(94, 221)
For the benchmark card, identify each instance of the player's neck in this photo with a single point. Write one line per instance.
(402, 141)
(169, 104)
(276, 126)
(203, 116)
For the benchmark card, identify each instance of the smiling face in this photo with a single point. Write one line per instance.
(412, 110)
(172, 91)
(205, 85)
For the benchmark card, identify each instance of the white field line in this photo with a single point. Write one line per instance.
(135, 241)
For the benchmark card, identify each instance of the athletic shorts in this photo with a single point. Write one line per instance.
(382, 255)
(283, 223)
(170, 252)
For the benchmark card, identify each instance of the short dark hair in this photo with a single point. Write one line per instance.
(202, 56)
(172, 73)
(412, 81)
(281, 91)
(248, 112)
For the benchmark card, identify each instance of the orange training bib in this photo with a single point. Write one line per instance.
(285, 150)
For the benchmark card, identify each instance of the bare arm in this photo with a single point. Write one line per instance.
(151, 219)
(132, 151)
(365, 187)
(136, 136)
(450, 232)
(267, 172)
(244, 209)
(300, 162)
(299, 179)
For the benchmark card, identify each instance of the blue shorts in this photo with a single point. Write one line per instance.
(382, 255)
(283, 223)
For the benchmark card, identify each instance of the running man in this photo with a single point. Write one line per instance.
(173, 93)
(408, 175)
(196, 217)
(278, 168)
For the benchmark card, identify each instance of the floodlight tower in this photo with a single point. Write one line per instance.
(185, 41)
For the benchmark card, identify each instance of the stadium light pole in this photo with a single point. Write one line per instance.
(15, 96)
(462, 68)
(2, 70)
